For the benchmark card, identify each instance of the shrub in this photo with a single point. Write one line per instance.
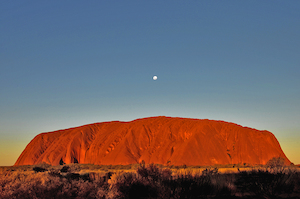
(266, 183)
(276, 162)
(153, 172)
(129, 185)
(39, 169)
(65, 169)
(28, 185)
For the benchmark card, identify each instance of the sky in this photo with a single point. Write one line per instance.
(69, 63)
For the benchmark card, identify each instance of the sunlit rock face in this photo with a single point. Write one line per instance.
(161, 140)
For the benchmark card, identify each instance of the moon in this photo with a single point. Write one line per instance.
(154, 77)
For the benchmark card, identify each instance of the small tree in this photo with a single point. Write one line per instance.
(276, 162)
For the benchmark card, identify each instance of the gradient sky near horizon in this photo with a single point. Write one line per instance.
(69, 63)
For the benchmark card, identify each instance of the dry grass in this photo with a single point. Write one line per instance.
(147, 181)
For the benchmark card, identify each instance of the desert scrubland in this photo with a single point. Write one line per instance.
(148, 181)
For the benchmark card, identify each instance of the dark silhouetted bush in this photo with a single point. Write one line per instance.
(129, 185)
(266, 183)
(65, 169)
(39, 169)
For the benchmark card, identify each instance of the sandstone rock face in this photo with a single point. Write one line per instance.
(162, 140)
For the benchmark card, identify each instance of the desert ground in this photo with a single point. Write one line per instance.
(148, 181)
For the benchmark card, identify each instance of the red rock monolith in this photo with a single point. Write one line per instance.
(159, 140)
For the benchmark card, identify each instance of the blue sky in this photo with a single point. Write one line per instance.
(69, 63)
